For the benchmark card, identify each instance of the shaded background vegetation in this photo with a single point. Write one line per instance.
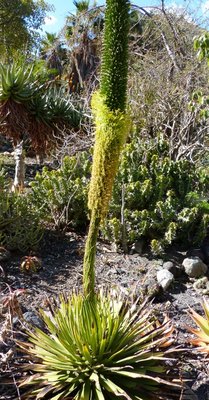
(161, 192)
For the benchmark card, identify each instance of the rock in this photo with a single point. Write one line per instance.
(164, 278)
(171, 267)
(194, 267)
(32, 318)
(137, 247)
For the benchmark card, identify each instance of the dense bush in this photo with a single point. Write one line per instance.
(61, 195)
(157, 198)
(19, 221)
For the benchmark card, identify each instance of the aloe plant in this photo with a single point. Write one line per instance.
(17, 87)
(28, 110)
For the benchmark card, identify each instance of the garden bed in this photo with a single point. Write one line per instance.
(61, 271)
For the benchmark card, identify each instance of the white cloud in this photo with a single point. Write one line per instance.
(205, 6)
(50, 20)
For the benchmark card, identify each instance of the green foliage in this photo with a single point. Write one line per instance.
(20, 21)
(201, 339)
(17, 83)
(62, 109)
(54, 107)
(33, 109)
(98, 351)
(19, 221)
(164, 200)
(114, 65)
(201, 44)
(81, 5)
(199, 103)
(200, 100)
(61, 195)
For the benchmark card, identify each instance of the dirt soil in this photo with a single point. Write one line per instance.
(61, 271)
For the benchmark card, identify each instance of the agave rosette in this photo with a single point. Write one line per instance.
(17, 83)
(202, 333)
(99, 350)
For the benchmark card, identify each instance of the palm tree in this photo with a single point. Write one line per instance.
(54, 53)
(83, 37)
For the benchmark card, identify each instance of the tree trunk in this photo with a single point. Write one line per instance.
(19, 157)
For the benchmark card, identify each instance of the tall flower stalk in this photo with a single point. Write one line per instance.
(111, 126)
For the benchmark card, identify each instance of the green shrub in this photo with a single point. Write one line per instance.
(101, 350)
(61, 195)
(19, 221)
(163, 200)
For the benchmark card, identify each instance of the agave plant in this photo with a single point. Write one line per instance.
(99, 350)
(202, 333)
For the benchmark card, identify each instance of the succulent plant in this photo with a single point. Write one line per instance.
(17, 83)
(62, 108)
(112, 125)
(30, 264)
(99, 351)
(202, 333)
(17, 87)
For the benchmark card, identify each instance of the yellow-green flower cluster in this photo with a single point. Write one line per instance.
(112, 128)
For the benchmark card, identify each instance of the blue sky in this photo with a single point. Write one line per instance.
(55, 20)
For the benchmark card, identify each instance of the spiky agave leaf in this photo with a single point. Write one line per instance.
(99, 350)
(17, 83)
(62, 108)
(39, 109)
(202, 333)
